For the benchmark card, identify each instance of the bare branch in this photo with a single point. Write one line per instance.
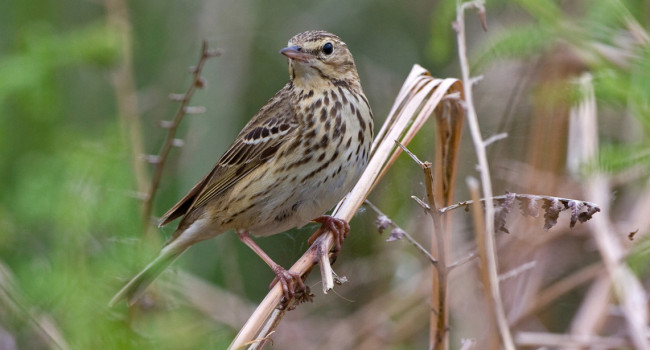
(172, 126)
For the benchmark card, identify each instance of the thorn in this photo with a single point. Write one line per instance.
(455, 26)
(482, 17)
(476, 79)
(424, 205)
(213, 53)
(413, 156)
(138, 195)
(194, 110)
(166, 124)
(178, 143)
(192, 69)
(176, 97)
(152, 158)
(494, 138)
(200, 83)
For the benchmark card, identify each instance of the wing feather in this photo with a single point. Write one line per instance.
(258, 142)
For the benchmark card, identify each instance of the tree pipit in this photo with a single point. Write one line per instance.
(296, 158)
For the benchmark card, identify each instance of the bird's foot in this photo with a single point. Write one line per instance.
(339, 227)
(290, 281)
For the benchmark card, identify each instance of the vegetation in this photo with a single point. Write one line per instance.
(84, 90)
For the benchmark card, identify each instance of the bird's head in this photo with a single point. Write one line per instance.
(318, 59)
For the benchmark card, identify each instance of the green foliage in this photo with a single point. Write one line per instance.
(441, 43)
(526, 41)
(41, 51)
(616, 85)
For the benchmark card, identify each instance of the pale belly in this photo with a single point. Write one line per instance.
(304, 180)
(296, 204)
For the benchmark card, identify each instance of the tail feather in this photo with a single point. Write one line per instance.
(134, 289)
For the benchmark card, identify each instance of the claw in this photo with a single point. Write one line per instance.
(340, 228)
(291, 282)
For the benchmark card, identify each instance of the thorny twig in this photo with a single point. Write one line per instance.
(159, 160)
(404, 233)
(441, 339)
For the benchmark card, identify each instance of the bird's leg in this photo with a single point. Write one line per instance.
(289, 280)
(340, 228)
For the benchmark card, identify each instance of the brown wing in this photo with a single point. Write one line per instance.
(259, 141)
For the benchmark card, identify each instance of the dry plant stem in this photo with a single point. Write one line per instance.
(530, 339)
(43, 324)
(467, 344)
(418, 97)
(479, 230)
(410, 238)
(533, 197)
(125, 91)
(439, 314)
(594, 310)
(628, 289)
(160, 159)
(471, 256)
(559, 288)
(442, 321)
(486, 182)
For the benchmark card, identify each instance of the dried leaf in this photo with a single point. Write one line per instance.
(552, 209)
(382, 223)
(501, 212)
(591, 210)
(528, 206)
(575, 207)
(395, 234)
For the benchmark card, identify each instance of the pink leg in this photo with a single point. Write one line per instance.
(340, 228)
(289, 280)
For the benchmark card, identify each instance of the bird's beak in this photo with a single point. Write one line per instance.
(294, 52)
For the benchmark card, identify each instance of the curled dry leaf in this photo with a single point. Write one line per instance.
(528, 207)
(575, 207)
(581, 211)
(382, 223)
(501, 210)
(395, 234)
(552, 212)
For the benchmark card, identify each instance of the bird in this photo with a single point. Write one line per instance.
(299, 155)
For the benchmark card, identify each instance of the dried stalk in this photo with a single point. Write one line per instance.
(409, 238)
(125, 90)
(159, 160)
(439, 335)
(559, 288)
(486, 182)
(627, 288)
(43, 324)
(417, 99)
(536, 340)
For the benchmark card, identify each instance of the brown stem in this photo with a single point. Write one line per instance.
(486, 182)
(125, 91)
(160, 159)
(439, 316)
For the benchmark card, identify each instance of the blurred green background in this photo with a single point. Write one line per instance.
(70, 226)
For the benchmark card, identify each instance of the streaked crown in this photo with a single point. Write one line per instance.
(319, 57)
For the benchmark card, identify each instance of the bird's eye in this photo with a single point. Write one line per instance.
(328, 48)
